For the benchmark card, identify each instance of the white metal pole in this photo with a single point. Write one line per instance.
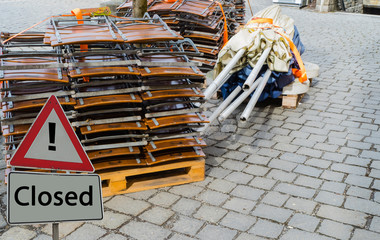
(215, 85)
(248, 83)
(252, 102)
(238, 101)
(222, 106)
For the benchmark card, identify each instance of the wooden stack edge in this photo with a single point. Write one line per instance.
(150, 177)
(291, 101)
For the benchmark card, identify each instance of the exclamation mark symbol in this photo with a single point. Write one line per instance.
(51, 136)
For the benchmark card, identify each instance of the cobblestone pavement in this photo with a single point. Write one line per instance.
(308, 173)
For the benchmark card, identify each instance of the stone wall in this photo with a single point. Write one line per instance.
(336, 5)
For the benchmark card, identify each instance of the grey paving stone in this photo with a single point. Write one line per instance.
(345, 168)
(263, 143)
(112, 220)
(241, 139)
(246, 236)
(304, 222)
(266, 229)
(307, 170)
(357, 161)
(17, 233)
(319, 163)
(303, 143)
(239, 205)
(177, 236)
(375, 173)
(359, 145)
(360, 181)
(87, 231)
(186, 190)
(127, 205)
(269, 152)
(143, 195)
(375, 164)
(214, 151)
(335, 229)
(3, 223)
(286, 147)
(65, 228)
(113, 236)
(361, 234)
(187, 225)
(263, 183)
(214, 161)
(250, 149)
(210, 213)
(239, 177)
(186, 206)
(283, 165)
(329, 198)
(370, 154)
(349, 151)
(362, 205)
(375, 224)
(238, 221)
(164, 199)
(342, 215)
(294, 190)
(144, 231)
(309, 152)
(295, 234)
(301, 205)
(259, 160)
(359, 192)
(376, 184)
(218, 172)
(275, 198)
(273, 213)
(222, 185)
(212, 197)
(157, 215)
(237, 155)
(228, 144)
(331, 175)
(308, 181)
(234, 165)
(281, 175)
(334, 187)
(336, 157)
(42, 237)
(247, 192)
(256, 170)
(211, 232)
(292, 157)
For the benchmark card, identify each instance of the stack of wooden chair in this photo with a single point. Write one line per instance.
(128, 88)
(200, 20)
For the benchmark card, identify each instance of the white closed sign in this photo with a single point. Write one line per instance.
(44, 197)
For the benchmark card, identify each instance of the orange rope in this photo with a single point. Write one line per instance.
(300, 74)
(18, 34)
(225, 35)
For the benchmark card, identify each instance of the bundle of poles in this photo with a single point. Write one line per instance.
(251, 84)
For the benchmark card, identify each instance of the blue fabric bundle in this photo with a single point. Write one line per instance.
(276, 82)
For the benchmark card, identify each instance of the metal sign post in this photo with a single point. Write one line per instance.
(55, 231)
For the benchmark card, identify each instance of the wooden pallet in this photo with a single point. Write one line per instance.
(291, 101)
(144, 178)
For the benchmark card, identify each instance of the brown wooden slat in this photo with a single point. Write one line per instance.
(113, 127)
(175, 143)
(107, 100)
(93, 155)
(174, 120)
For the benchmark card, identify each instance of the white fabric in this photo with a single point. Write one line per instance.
(255, 40)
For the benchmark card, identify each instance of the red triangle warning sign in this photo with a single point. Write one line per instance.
(51, 143)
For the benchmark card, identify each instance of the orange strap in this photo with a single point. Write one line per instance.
(301, 73)
(83, 47)
(225, 35)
